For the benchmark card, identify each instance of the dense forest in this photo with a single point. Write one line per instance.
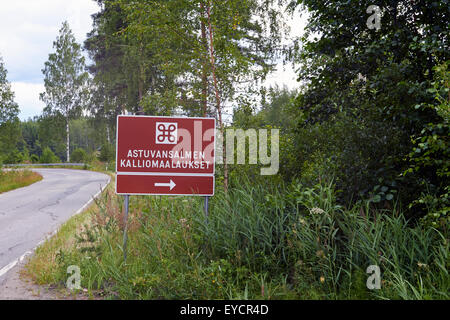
(365, 135)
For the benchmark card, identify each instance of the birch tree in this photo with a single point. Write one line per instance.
(66, 81)
(220, 50)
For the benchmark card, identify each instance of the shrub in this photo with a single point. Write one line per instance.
(107, 153)
(48, 156)
(15, 156)
(430, 153)
(260, 240)
(78, 155)
(356, 154)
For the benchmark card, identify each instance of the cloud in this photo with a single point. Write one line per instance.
(27, 31)
(287, 74)
(29, 27)
(27, 97)
(283, 75)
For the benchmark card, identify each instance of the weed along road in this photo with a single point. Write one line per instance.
(29, 214)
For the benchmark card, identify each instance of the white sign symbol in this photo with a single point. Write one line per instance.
(166, 133)
(171, 184)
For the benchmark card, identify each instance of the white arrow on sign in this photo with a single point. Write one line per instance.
(171, 184)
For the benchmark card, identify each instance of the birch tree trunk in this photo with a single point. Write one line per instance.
(68, 139)
(218, 103)
(107, 134)
(204, 65)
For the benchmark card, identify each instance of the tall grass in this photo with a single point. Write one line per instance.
(259, 241)
(13, 179)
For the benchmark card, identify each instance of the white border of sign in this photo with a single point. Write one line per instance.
(167, 173)
(174, 194)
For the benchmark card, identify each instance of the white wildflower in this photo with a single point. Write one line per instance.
(316, 211)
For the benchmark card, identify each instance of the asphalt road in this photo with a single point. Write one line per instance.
(28, 215)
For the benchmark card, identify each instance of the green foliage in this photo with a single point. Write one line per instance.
(349, 151)
(9, 121)
(65, 80)
(79, 155)
(259, 241)
(30, 135)
(51, 133)
(160, 104)
(303, 234)
(88, 134)
(276, 111)
(438, 208)
(363, 153)
(15, 156)
(115, 71)
(374, 79)
(431, 151)
(65, 69)
(107, 152)
(34, 158)
(142, 50)
(48, 156)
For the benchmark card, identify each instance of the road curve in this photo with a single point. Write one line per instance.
(29, 214)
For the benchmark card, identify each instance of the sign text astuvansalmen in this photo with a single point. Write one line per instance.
(168, 159)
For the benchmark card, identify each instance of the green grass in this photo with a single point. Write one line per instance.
(260, 241)
(13, 179)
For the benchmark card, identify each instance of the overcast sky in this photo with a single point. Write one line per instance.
(28, 29)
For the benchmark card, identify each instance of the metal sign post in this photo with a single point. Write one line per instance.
(127, 200)
(206, 208)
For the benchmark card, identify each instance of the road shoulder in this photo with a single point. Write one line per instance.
(15, 287)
